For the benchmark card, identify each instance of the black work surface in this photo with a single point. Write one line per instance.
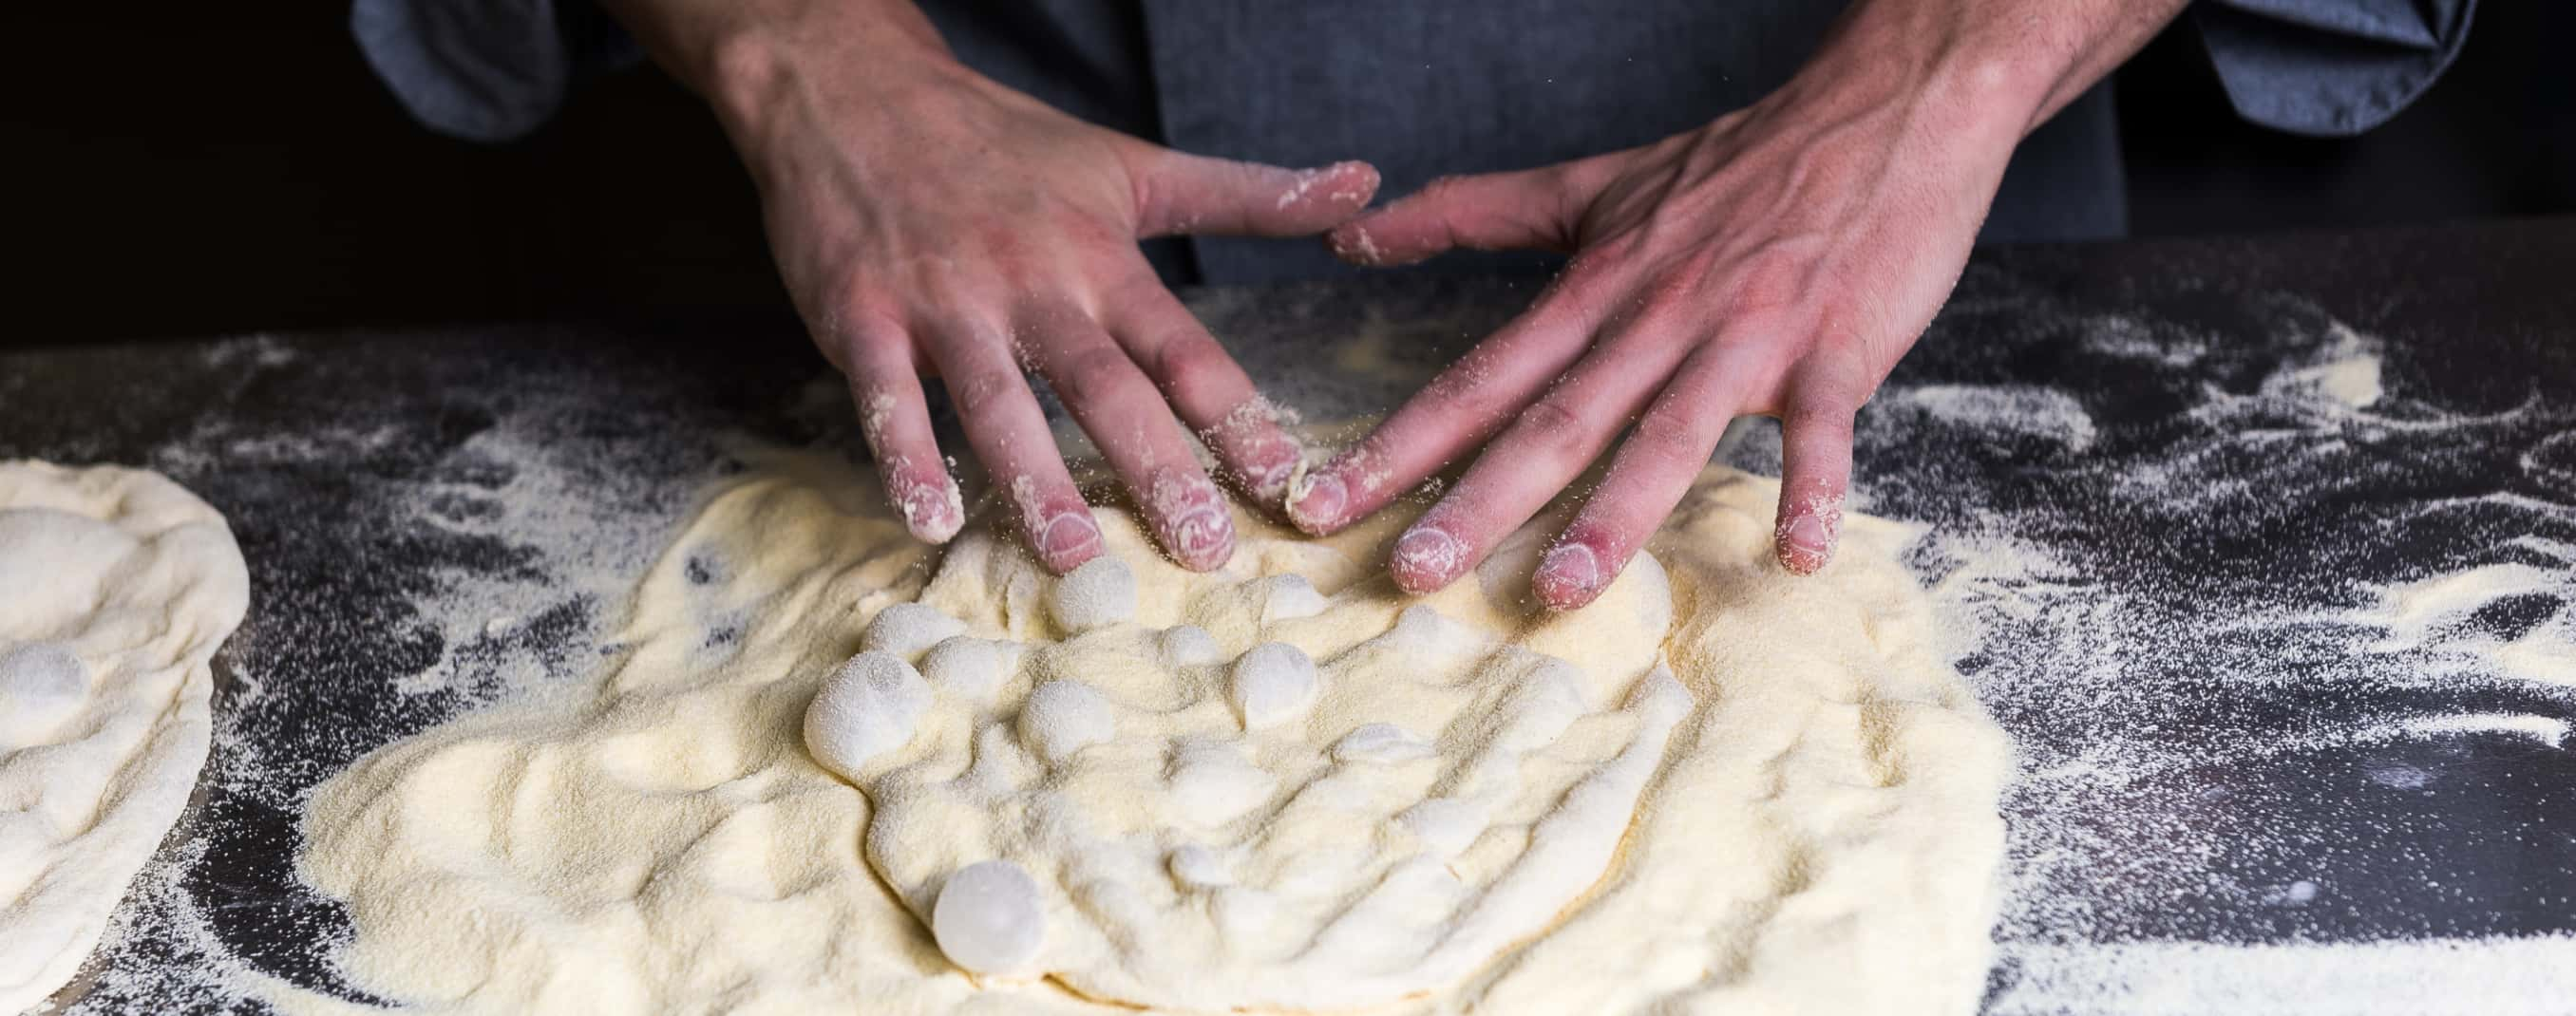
(366, 475)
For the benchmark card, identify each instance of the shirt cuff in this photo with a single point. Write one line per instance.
(2329, 68)
(486, 70)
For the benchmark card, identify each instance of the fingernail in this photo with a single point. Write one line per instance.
(1196, 529)
(1069, 539)
(1806, 542)
(1271, 485)
(1317, 502)
(933, 511)
(1568, 577)
(1425, 559)
(1203, 539)
(1352, 244)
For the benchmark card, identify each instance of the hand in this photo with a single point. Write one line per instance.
(1777, 261)
(929, 221)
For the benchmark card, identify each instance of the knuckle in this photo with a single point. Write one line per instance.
(1094, 375)
(1819, 418)
(1668, 435)
(1552, 427)
(979, 392)
(1187, 357)
(1773, 280)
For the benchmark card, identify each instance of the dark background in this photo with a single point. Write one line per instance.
(218, 168)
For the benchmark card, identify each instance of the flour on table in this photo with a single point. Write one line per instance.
(986, 789)
(116, 587)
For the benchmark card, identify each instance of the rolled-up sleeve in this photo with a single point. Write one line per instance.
(486, 70)
(2329, 67)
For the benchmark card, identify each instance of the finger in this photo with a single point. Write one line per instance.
(895, 421)
(1490, 211)
(1662, 456)
(1546, 446)
(1184, 193)
(1210, 390)
(1009, 434)
(1815, 472)
(1459, 409)
(1124, 415)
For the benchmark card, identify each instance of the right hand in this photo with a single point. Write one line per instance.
(928, 221)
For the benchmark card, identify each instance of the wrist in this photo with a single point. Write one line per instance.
(1989, 68)
(740, 54)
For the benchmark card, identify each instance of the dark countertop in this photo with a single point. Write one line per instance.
(2213, 748)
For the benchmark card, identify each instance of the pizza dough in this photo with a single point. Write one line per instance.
(1241, 793)
(116, 587)
(1280, 785)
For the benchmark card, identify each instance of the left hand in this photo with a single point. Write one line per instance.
(1777, 261)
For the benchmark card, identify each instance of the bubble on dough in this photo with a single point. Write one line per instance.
(989, 919)
(1383, 743)
(1063, 717)
(1214, 784)
(1289, 596)
(1445, 825)
(1548, 699)
(867, 708)
(970, 668)
(1189, 646)
(1437, 641)
(65, 554)
(1244, 914)
(41, 685)
(906, 629)
(1197, 867)
(1101, 592)
(1274, 682)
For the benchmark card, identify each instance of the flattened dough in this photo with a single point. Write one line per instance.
(1810, 826)
(116, 587)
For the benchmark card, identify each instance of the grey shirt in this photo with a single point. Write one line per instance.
(1425, 89)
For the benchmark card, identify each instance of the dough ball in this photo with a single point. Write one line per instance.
(1445, 825)
(1274, 682)
(41, 685)
(1189, 646)
(988, 919)
(867, 708)
(970, 668)
(1382, 743)
(1063, 717)
(1213, 784)
(1102, 592)
(1438, 642)
(906, 629)
(1547, 699)
(1289, 596)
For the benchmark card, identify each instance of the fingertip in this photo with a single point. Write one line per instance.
(1191, 520)
(1316, 502)
(1356, 183)
(1808, 529)
(1426, 559)
(932, 508)
(1569, 577)
(1066, 539)
(1354, 244)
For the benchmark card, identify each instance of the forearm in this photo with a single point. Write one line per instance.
(1995, 66)
(733, 51)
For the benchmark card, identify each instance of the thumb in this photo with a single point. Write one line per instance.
(1487, 211)
(1185, 193)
